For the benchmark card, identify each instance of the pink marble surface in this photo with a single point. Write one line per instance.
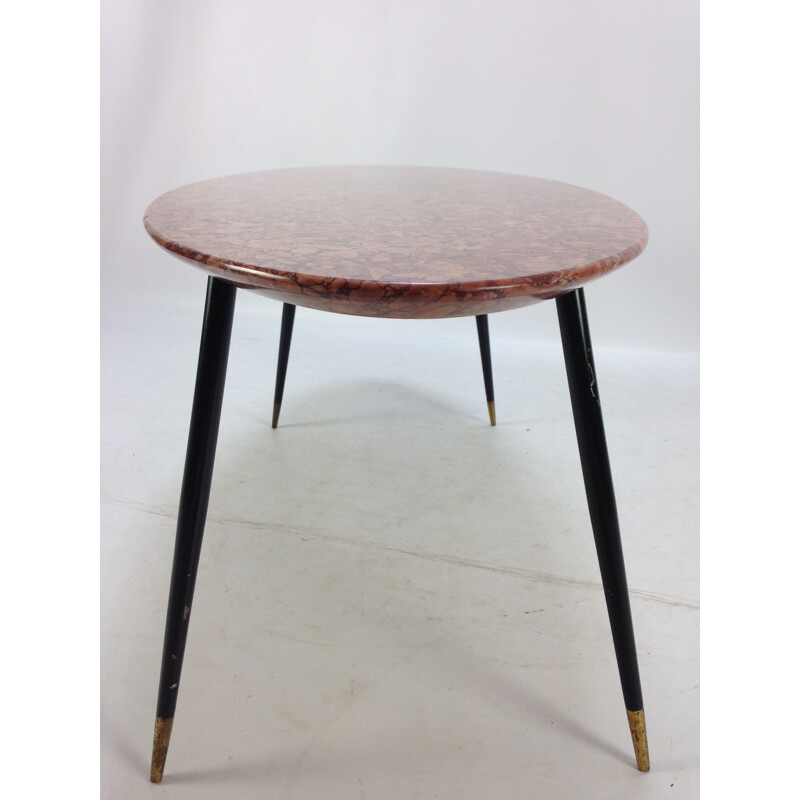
(397, 241)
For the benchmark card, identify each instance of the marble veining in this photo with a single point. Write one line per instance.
(412, 242)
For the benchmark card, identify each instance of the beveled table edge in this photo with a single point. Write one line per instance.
(401, 299)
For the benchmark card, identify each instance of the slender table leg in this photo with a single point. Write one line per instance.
(287, 323)
(203, 429)
(482, 321)
(602, 505)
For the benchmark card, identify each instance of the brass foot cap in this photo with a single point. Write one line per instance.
(492, 417)
(276, 412)
(639, 736)
(160, 745)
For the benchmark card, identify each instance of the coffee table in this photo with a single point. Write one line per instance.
(398, 242)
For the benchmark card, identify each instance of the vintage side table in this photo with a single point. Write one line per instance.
(402, 242)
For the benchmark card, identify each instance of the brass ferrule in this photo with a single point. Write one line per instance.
(639, 736)
(160, 745)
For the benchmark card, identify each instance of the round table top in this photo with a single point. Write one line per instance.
(413, 242)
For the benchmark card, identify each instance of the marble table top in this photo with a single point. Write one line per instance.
(408, 242)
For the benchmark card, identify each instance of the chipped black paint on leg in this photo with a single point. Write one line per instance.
(200, 451)
(581, 375)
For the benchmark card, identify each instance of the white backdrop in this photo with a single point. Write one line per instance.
(600, 94)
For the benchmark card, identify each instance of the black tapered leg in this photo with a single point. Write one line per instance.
(287, 324)
(589, 427)
(486, 362)
(203, 429)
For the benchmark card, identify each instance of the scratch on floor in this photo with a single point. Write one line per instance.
(138, 505)
(314, 534)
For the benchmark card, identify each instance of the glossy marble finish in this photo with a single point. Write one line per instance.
(406, 242)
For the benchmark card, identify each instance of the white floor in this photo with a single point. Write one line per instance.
(395, 600)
